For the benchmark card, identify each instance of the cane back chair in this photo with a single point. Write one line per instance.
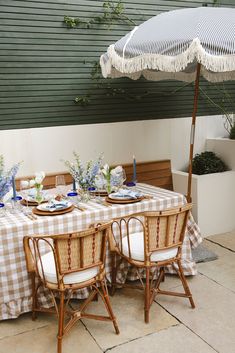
(156, 245)
(67, 262)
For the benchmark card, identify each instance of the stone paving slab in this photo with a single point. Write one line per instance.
(214, 317)
(23, 324)
(177, 339)
(227, 240)
(221, 270)
(44, 340)
(128, 306)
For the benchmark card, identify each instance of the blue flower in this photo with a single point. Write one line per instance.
(84, 174)
(6, 177)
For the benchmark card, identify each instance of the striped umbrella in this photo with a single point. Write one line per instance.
(181, 44)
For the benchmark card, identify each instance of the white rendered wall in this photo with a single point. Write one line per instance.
(43, 148)
(224, 148)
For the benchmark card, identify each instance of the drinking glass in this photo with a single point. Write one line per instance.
(121, 178)
(72, 196)
(15, 204)
(24, 191)
(2, 209)
(60, 184)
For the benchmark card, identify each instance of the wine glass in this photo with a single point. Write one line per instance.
(60, 184)
(121, 178)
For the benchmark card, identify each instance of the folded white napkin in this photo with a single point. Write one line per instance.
(54, 205)
(127, 193)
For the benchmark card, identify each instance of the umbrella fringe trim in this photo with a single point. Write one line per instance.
(133, 67)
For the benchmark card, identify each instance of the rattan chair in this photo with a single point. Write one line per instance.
(65, 263)
(158, 243)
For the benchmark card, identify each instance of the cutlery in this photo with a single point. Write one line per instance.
(80, 208)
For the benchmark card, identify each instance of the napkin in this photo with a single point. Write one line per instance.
(56, 205)
(127, 193)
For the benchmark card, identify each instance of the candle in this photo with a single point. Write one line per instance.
(134, 170)
(14, 188)
(74, 185)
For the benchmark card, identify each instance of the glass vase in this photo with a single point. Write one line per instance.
(108, 186)
(84, 195)
(39, 195)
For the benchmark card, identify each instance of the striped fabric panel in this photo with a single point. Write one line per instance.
(173, 42)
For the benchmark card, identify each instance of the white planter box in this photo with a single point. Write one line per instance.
(213, 200)
(224, 148)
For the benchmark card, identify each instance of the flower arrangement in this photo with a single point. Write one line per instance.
(6, 177)
(84, 175)
(37, 184)
(114, 177)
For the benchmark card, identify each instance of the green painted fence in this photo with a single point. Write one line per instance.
(44, 65)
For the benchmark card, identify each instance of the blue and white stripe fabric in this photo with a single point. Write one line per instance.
(169, 46)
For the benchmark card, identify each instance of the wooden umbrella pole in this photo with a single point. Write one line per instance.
(192, 136)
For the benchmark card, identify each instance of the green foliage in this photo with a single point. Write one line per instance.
(232, 133)
(74, 22)
(112, 12)
(96, 71)
(225, 104)
(216, 2)
(82, 100)
(207, 163)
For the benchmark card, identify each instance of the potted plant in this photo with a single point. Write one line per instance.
(213, 193)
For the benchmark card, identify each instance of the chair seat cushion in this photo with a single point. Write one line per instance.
(48, 264)
(137, 249)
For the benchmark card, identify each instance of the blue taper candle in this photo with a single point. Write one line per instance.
(14, 188)
(74, 185)
(134, 170)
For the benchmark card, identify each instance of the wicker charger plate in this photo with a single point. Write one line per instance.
(55, 213)
(123, 201)
(30, 203)
(102, 193)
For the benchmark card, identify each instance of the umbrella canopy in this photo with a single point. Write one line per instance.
(181, 44)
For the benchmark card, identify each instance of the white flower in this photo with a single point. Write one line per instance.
(105, 169)
(31, 183)
(39, 177)
(24, 184)
(99, 181)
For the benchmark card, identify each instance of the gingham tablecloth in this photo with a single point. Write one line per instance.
(15, 284)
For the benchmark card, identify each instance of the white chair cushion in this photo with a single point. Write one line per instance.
(49, 269)
(137, 249)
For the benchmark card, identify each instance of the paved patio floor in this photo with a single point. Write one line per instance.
(174, 327)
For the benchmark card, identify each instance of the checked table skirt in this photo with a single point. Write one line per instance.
(15, 284)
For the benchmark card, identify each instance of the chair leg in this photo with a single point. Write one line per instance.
(61, 324)
(34, 297)
(185, 284)
(107, 303)
(160, 278)
(113, 274)
(147, 296)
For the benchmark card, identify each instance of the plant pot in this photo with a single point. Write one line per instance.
(213, 198)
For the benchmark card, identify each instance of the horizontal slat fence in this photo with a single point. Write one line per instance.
(44, 65)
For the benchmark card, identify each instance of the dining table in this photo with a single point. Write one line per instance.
(15, 282)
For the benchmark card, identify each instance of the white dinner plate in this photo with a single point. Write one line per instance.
(120, 197)
(47, 207)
